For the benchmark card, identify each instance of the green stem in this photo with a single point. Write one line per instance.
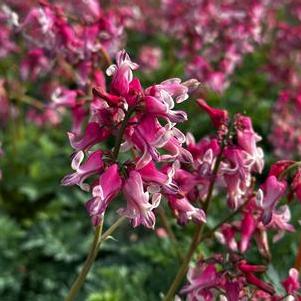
(195, 240)
(170, 233)
(106, 57)
(226, 219)
(79, 281)
(98, 239)
(110, 231)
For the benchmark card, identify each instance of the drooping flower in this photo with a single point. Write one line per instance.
(268, 196)
(185, 211)
(108, 186)
(200, 278)
(139, 206)
(218, 117)
(291, 283)
(93, 165)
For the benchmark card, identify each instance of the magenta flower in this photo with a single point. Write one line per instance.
(185, 211)
(252, 279)
(247, 139)
(200, 278)
(148, 135)
(39, 27)
(175, 148)
(34, 64)
(291, 283)
(277, 168)
(236, 174)
(150, 58)
(91, 166)
(172, 88)
(268, 196)
(247, 228)
(217, 116)
(108, 186)
(122, 73)
(280, 221)
(139, 209)
(226, 236)
(64, 98)
(154, 177)
(160, 108)
(93, 135)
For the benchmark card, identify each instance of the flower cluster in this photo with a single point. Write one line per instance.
(284, 37)
(214, 36)
(65, 43)
(286, 126)
(142, 121)
(233, 278)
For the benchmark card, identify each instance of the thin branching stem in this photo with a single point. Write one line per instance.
(196, 238)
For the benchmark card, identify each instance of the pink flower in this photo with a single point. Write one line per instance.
(148, 135)
(235, 170)
(233, 288)
(93, 165)
(175, 148)
(64, 98)
(139, 209)
(204, 153)
(122, 73)
(150, 58)
(252, 279)
(152, 176)
(103, 193)
(247, 228)
(292, 284)
(249, 270)
(268, 196)
(93, 135)
(280, 166)
(185, 211)
(247, 139)
(296, 184)
(226, 236)
(201, 277)
(87, 9)
(280, 221)
(34, 64)
(160, 99)
(173, 88)
(217, 116)
(111, 99)
(160, 108)
(39, 27)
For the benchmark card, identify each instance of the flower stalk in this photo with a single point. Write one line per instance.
(196, 238)
(79, 281)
